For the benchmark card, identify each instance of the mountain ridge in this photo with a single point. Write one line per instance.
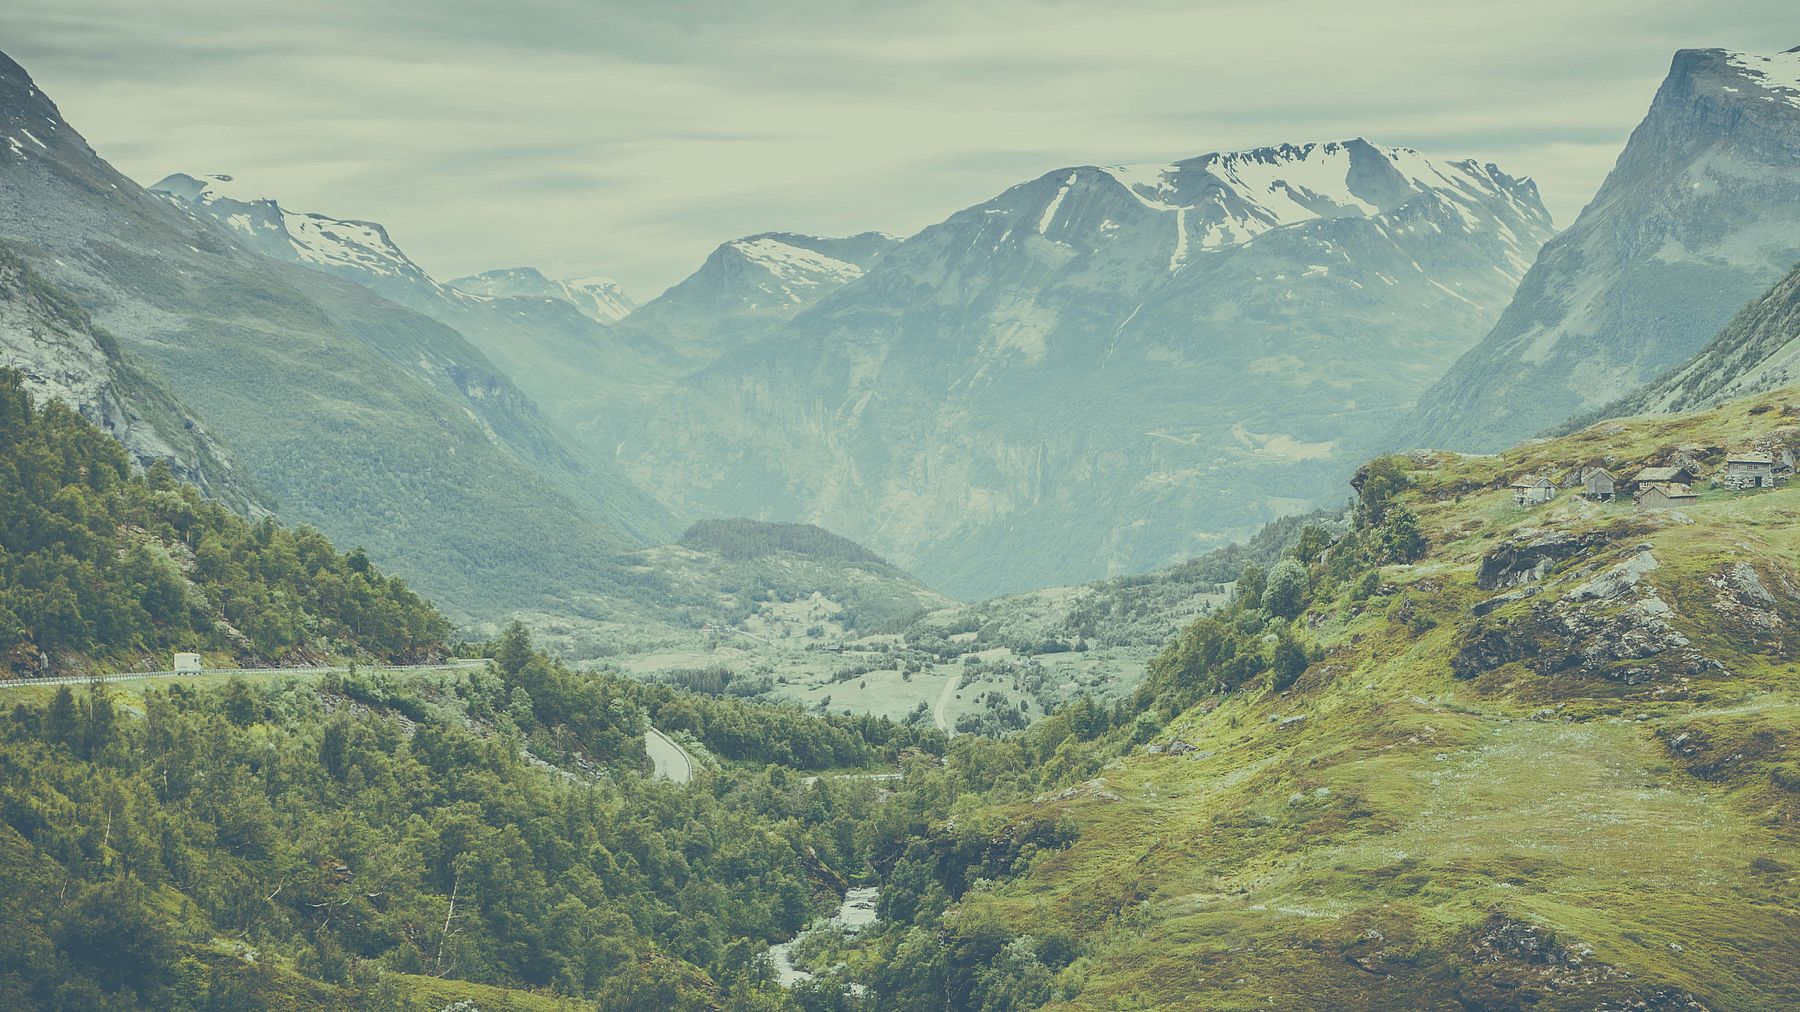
(364, 418)
(956, 384)
(1698, 217)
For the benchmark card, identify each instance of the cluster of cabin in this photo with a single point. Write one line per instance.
(1665, 486)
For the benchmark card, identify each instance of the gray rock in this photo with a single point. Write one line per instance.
(1700, 216)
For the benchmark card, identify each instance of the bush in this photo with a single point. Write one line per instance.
(1285, 593)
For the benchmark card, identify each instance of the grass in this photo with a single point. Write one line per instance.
(1356, 857)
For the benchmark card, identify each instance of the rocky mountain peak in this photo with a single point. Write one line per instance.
(598, 298)
(344, 246)
(1699, 216)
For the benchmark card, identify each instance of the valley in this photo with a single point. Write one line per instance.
(1290, 576)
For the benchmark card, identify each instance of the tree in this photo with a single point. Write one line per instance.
(113, 932)
(1250, 582)
(1379, 481)
(1401, 539)
(1285, 593)
(514, 650)
(1289, 664)
(1311, 543)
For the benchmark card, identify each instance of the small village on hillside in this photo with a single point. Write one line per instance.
(1671, 485)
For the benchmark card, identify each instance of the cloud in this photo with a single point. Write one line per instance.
(629, 138)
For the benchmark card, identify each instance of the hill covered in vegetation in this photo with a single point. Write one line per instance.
(1471, 755)
(407, 841)
(740, 539)
(101, 565)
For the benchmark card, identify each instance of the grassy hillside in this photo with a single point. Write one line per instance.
(1498, 757)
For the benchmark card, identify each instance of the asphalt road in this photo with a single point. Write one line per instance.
(670, 761)
(132, 676)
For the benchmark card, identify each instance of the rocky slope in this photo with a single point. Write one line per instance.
(370, 421)
(1103, 369)
(599, 299)
(1758, 350)
(63, 356)
(1700, 215)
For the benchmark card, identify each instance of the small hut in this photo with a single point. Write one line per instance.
(1665, 496)
(1533, 491)
(1597, 484)
(1748, 469)
(1678, 474)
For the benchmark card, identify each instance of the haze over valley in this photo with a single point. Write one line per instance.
(1309, 531)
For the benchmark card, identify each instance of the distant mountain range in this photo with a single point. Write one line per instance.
(748, 288)
(546, 338)
(599, 299)
(1096, 371)
(1700, 215)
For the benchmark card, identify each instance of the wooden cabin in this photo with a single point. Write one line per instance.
(1677, 474)
(1665, 496)
(1597, 484)
(1533, 491)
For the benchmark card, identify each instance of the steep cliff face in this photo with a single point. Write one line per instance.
(1758, 351)
(1700, 215)
(64, 357)
(1106, 368)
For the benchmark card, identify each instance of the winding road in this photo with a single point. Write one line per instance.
(938, 713)
(132, 676)
(670, 762)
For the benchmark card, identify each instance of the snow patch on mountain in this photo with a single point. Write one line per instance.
(1055, 203)
(1236, 196)
(1779, 73)
(319, 240)
(794, 270)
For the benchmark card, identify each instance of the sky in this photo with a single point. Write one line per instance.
(628, 138)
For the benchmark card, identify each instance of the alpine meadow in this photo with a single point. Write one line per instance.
(869, 507)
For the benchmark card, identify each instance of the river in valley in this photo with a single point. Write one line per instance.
(854, 914)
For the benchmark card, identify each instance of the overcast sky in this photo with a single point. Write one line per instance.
(628, 138)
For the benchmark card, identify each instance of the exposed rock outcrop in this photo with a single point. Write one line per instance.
(1531, 557)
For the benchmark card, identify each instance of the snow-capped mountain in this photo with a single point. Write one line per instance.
(599, 298)
(1095, 371)
(349, 248)
(1700, 215)
(369, 420)
(547, 342)
(1226, 199)
(750, 286)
